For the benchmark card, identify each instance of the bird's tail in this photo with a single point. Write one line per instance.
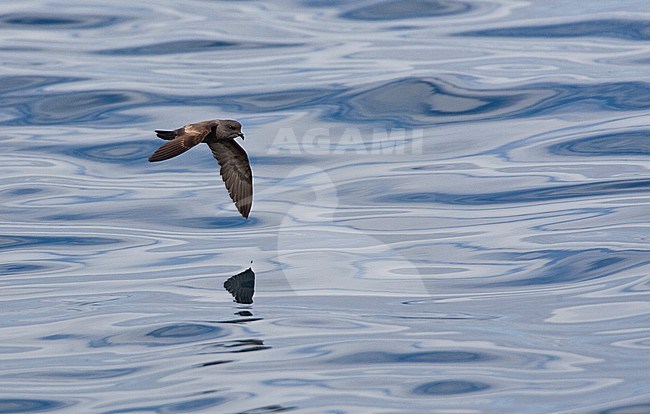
(168, 135)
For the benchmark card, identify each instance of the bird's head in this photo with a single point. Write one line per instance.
(229, 129)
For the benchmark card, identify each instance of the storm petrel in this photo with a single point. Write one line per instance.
(220, 136)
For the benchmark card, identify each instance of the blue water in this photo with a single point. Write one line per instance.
(450, 215)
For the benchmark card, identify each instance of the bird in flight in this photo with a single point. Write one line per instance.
(220, 136)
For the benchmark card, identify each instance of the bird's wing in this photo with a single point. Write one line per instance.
(236, 173)
(184, 139)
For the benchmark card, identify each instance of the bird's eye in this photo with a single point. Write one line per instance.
(231, 127)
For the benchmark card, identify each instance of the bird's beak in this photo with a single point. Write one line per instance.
(241, 135)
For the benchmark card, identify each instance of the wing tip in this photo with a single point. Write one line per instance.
(244, 210)
(158, 156)
(244, 206)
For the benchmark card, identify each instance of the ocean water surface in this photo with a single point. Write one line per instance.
(450, 215)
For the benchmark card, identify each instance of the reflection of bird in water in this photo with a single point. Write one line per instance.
(220, 136)
(242, 286)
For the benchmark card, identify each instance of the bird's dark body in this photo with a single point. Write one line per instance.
(220, 136)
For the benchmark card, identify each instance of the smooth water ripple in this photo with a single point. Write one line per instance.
(450, 212)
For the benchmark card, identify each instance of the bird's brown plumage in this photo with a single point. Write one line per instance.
(220, 136)
(236, 173)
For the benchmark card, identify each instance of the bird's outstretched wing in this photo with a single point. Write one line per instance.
(180, 140)
(236, 173)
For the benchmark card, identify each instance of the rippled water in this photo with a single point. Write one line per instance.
(450, 212)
